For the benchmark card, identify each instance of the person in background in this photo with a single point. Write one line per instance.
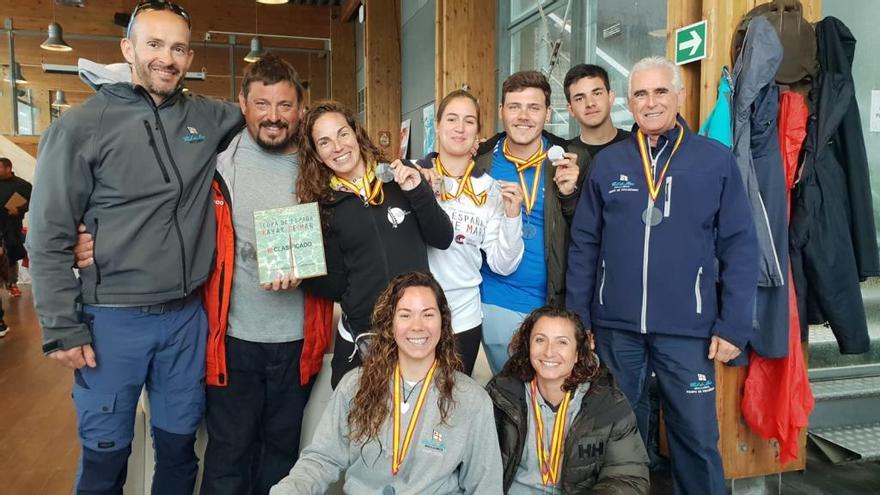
(563, 424)
(373, 230)
(407, 421)
(590, 100)
(485, 216)
(15, 195)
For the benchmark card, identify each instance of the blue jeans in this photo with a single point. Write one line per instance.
(161, 347)
(499, 325)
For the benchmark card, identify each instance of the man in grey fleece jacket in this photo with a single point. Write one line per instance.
(134, 163)
(459, 456)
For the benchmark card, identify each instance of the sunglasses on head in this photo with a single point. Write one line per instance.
(152, 5)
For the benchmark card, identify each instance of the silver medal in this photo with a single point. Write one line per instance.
(529, 231)
(652, 216)
(384, 172)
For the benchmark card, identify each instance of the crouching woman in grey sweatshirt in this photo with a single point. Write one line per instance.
(407, 422)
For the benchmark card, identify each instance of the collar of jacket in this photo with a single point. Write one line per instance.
(488, 146)
(671, 134)
(133, 92)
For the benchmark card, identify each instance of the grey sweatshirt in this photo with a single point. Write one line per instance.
(461, 456)
(139, 177)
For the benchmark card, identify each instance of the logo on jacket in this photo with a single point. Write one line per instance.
(435, 442)
(701, 385)
(396, 216)
(592, 449)
(193, 136)
(623, 184)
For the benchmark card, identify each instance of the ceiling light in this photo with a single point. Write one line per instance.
(256, 52)
(60, 100)
(55, 41)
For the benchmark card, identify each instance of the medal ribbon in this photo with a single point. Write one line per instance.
(549, 462)
(654, 187)
(536, 160)
(465, 186)
(399, 451)
(368, 187)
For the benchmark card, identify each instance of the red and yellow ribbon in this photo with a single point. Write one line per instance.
(465, 186)
(549, 462)
(399, 451)
(368, 187)
(654, 187)
(536, 161)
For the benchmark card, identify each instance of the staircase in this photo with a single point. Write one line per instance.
(845, 425)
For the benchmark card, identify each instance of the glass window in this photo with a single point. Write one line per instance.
(620, 33)
(532, 45)
(520, 7)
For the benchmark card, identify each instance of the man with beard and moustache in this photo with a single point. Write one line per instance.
(590, 99)
(134, 164)
(264, 343)
(550, 191)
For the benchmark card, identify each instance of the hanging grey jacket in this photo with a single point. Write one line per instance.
(756, 148)
(138, 176)
(755, 100)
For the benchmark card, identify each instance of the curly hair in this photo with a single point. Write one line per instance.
(371, 405)
(313, 183)
(519, 366)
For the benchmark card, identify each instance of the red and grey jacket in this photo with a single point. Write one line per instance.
(216, 295)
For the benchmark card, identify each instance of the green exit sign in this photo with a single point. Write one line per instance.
(690, 43)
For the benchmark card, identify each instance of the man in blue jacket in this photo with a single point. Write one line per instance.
(662, 263)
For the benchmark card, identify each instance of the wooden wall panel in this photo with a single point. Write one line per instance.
(382, 72)
(680, 14)
(744, 453)
(342, 60)
(465, 53)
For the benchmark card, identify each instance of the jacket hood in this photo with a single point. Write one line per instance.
(756, 65)
(836, 46)
(97, 75)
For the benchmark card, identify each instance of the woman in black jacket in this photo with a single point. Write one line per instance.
(594, 446)
(373, 230)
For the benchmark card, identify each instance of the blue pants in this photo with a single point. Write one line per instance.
(686, 379)
(499, 325)
(162, 347)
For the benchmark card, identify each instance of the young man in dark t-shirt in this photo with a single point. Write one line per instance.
(590, 99)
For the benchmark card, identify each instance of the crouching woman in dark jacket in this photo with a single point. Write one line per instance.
(588, 439)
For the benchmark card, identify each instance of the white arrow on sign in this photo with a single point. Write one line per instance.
(692, 43)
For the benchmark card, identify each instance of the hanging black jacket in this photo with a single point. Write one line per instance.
(602, 453)
(833, 240)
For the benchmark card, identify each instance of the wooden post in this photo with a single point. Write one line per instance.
(343, 79)
(744, 453)
(465, 53)
(382, 73)
(679, 14)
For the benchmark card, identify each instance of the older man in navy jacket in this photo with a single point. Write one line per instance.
(662, 264)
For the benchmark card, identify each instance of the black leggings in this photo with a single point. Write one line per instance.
(467, 344)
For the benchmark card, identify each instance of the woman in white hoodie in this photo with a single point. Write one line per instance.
(485, 216)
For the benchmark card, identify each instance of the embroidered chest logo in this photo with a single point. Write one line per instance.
(194, 136)
(396, 216)
(701, 385)
(435, 442)
(623, 184)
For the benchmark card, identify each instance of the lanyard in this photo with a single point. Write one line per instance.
(399, 451)
(654, 187)
(536, 160)
(549, 462)
(368, 188)
(465, 186)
